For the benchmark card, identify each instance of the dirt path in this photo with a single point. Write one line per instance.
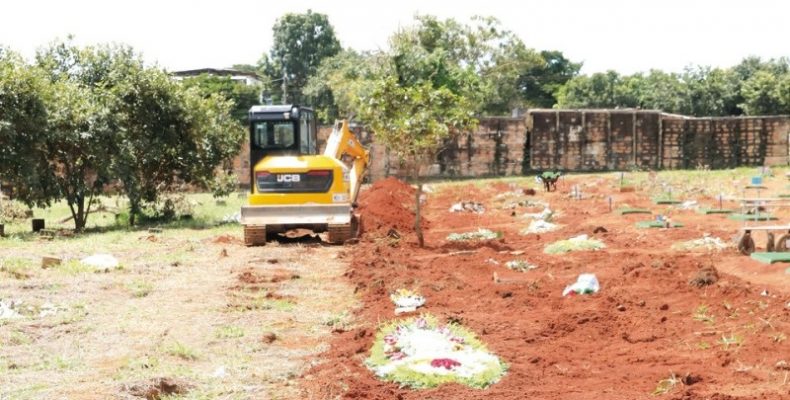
(212, 317)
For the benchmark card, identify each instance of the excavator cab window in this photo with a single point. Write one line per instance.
(274, 135)
(307, 133)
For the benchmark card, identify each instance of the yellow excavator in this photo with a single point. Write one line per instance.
(292, 186)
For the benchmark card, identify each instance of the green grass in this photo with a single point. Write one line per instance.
(206, 214)
(229, 332)
(182, 351)
(732, 340)
(17, 338)
(17, 268)
(278, 305)
(341, 320)
(139, 288)
(666, 385)
(626, 211)
(707, 211)
(701, 314)
(770, 258)
(74, 267)
(666, 200)
(752, 217)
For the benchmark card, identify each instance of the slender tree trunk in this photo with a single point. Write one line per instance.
(79, 219)
(418, 208)
(87, 210)
(133, 209)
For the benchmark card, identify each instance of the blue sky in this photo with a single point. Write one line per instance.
(627, 36)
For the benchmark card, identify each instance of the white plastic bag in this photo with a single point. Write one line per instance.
(101, 262)
(585, 284)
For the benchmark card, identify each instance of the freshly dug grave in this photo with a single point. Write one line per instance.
(388, 205)
(649, 322)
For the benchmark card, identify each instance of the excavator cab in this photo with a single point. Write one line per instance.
(291, 185)
(287, 130)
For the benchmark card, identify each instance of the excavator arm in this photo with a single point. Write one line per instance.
(343, 142)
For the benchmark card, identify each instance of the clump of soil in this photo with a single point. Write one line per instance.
(226, 239)
(705, 276)
(269, 337)
(388, 205)
(157, 388)
(251, 276)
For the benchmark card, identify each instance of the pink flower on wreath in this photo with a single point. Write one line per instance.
(391, 339)
(398, 355)
(457, 339)
(446, 363)
(421, 323)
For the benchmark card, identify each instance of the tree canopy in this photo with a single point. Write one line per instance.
(79, 118)
(753, 87)
(301, 43)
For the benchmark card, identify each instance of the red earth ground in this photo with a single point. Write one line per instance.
(645, 325)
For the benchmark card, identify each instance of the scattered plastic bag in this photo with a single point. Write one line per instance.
(8, 309)
(101, 262)
(585, 284)
(706, 242)
(688, 205)
(520, 265)
(544, 215)
(539, 226)
(47, 309)
(468, 206)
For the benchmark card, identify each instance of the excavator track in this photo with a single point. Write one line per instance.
(254, 235)
(340, 234)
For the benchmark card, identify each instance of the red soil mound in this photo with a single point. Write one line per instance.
(388, 204)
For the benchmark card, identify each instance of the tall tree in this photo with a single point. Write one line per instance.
(414, 96)
(712, 91)
(80, 124)
(84, 116)
(599, 90)
(171, 135)
(301, 42)
(540, 84)
(77, 143)
(23, 119)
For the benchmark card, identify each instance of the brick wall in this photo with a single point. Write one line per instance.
(588, 140)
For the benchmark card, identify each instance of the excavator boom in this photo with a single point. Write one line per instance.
(344, 142)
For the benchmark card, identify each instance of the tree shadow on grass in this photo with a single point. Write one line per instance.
(145, 225)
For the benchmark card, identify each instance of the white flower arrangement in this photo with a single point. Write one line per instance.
(406, 300)
(578, 243)
(480, 234)
(421, 353)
